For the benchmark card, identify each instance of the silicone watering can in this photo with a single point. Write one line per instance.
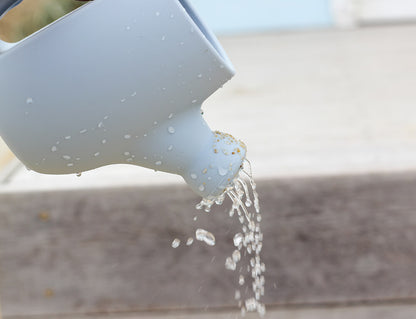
(118, 82)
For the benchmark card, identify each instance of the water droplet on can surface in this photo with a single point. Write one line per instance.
(170, 147)
(70, 164)
(158, 163)
(175, 243)
(123, 100)
(171, 129)
(54, 149)
(29, 100)
(222, 171)
(83, 131)
(97, 154)
(194, 176)
(68, 137)
(66, 157)
(199, 76)
(201, 188)
(170, 116)
(205, 236)
(127, 136)
(189, 241)
(104, 141)
(157, 13)
(127, 153)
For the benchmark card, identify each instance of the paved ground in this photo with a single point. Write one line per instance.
(307, 104)
(317, 103)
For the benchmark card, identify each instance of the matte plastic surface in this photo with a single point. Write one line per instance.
(117, 84)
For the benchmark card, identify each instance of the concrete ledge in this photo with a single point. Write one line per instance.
(327, 240)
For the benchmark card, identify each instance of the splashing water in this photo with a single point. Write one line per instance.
(248, 243)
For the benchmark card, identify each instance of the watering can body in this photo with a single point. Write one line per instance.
(118, 83)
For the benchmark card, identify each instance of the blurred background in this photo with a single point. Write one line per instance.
(324, 98)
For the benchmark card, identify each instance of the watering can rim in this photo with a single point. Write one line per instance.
(194, 18)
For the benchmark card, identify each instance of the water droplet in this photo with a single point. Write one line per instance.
(204, 171)
(205, 236)
(68, 137)
(170, 147)
(155, 122)
(195, 218)
(189, 241)
(194, 176)
(176, 242)
(97, 154)
(70, 164)
(133, 94)
(201, 188)
(66, 157)
(54, 149)
(222, 66)
(238, 239)
(199, 76)
(172, 16)
(128, 28)
(29, 100)
(237, 295)
(194, 101)
(222, 171)
(100, 125)
(123, 100)
(163, 38)
(241, 280)
(157, 13)
(158, 163)
(171, 129)
(83, 131)
(236, 256)
(104, 141)
(106, 117)
(170, 116)
(126, 153)
(230, 264)
(127, 136)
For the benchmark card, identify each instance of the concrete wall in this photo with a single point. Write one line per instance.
(234, 16)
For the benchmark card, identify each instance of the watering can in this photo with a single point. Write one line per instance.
(118, 82)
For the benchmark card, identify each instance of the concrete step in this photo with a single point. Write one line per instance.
(327, 240)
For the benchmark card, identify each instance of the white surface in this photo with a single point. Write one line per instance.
(319, 103)
(349, 13)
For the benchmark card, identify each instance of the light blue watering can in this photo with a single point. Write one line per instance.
(118, 82)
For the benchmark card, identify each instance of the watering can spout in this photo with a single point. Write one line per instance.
(125, 92)
(185, 145)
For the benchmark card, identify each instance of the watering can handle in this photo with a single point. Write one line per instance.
(6, 5)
